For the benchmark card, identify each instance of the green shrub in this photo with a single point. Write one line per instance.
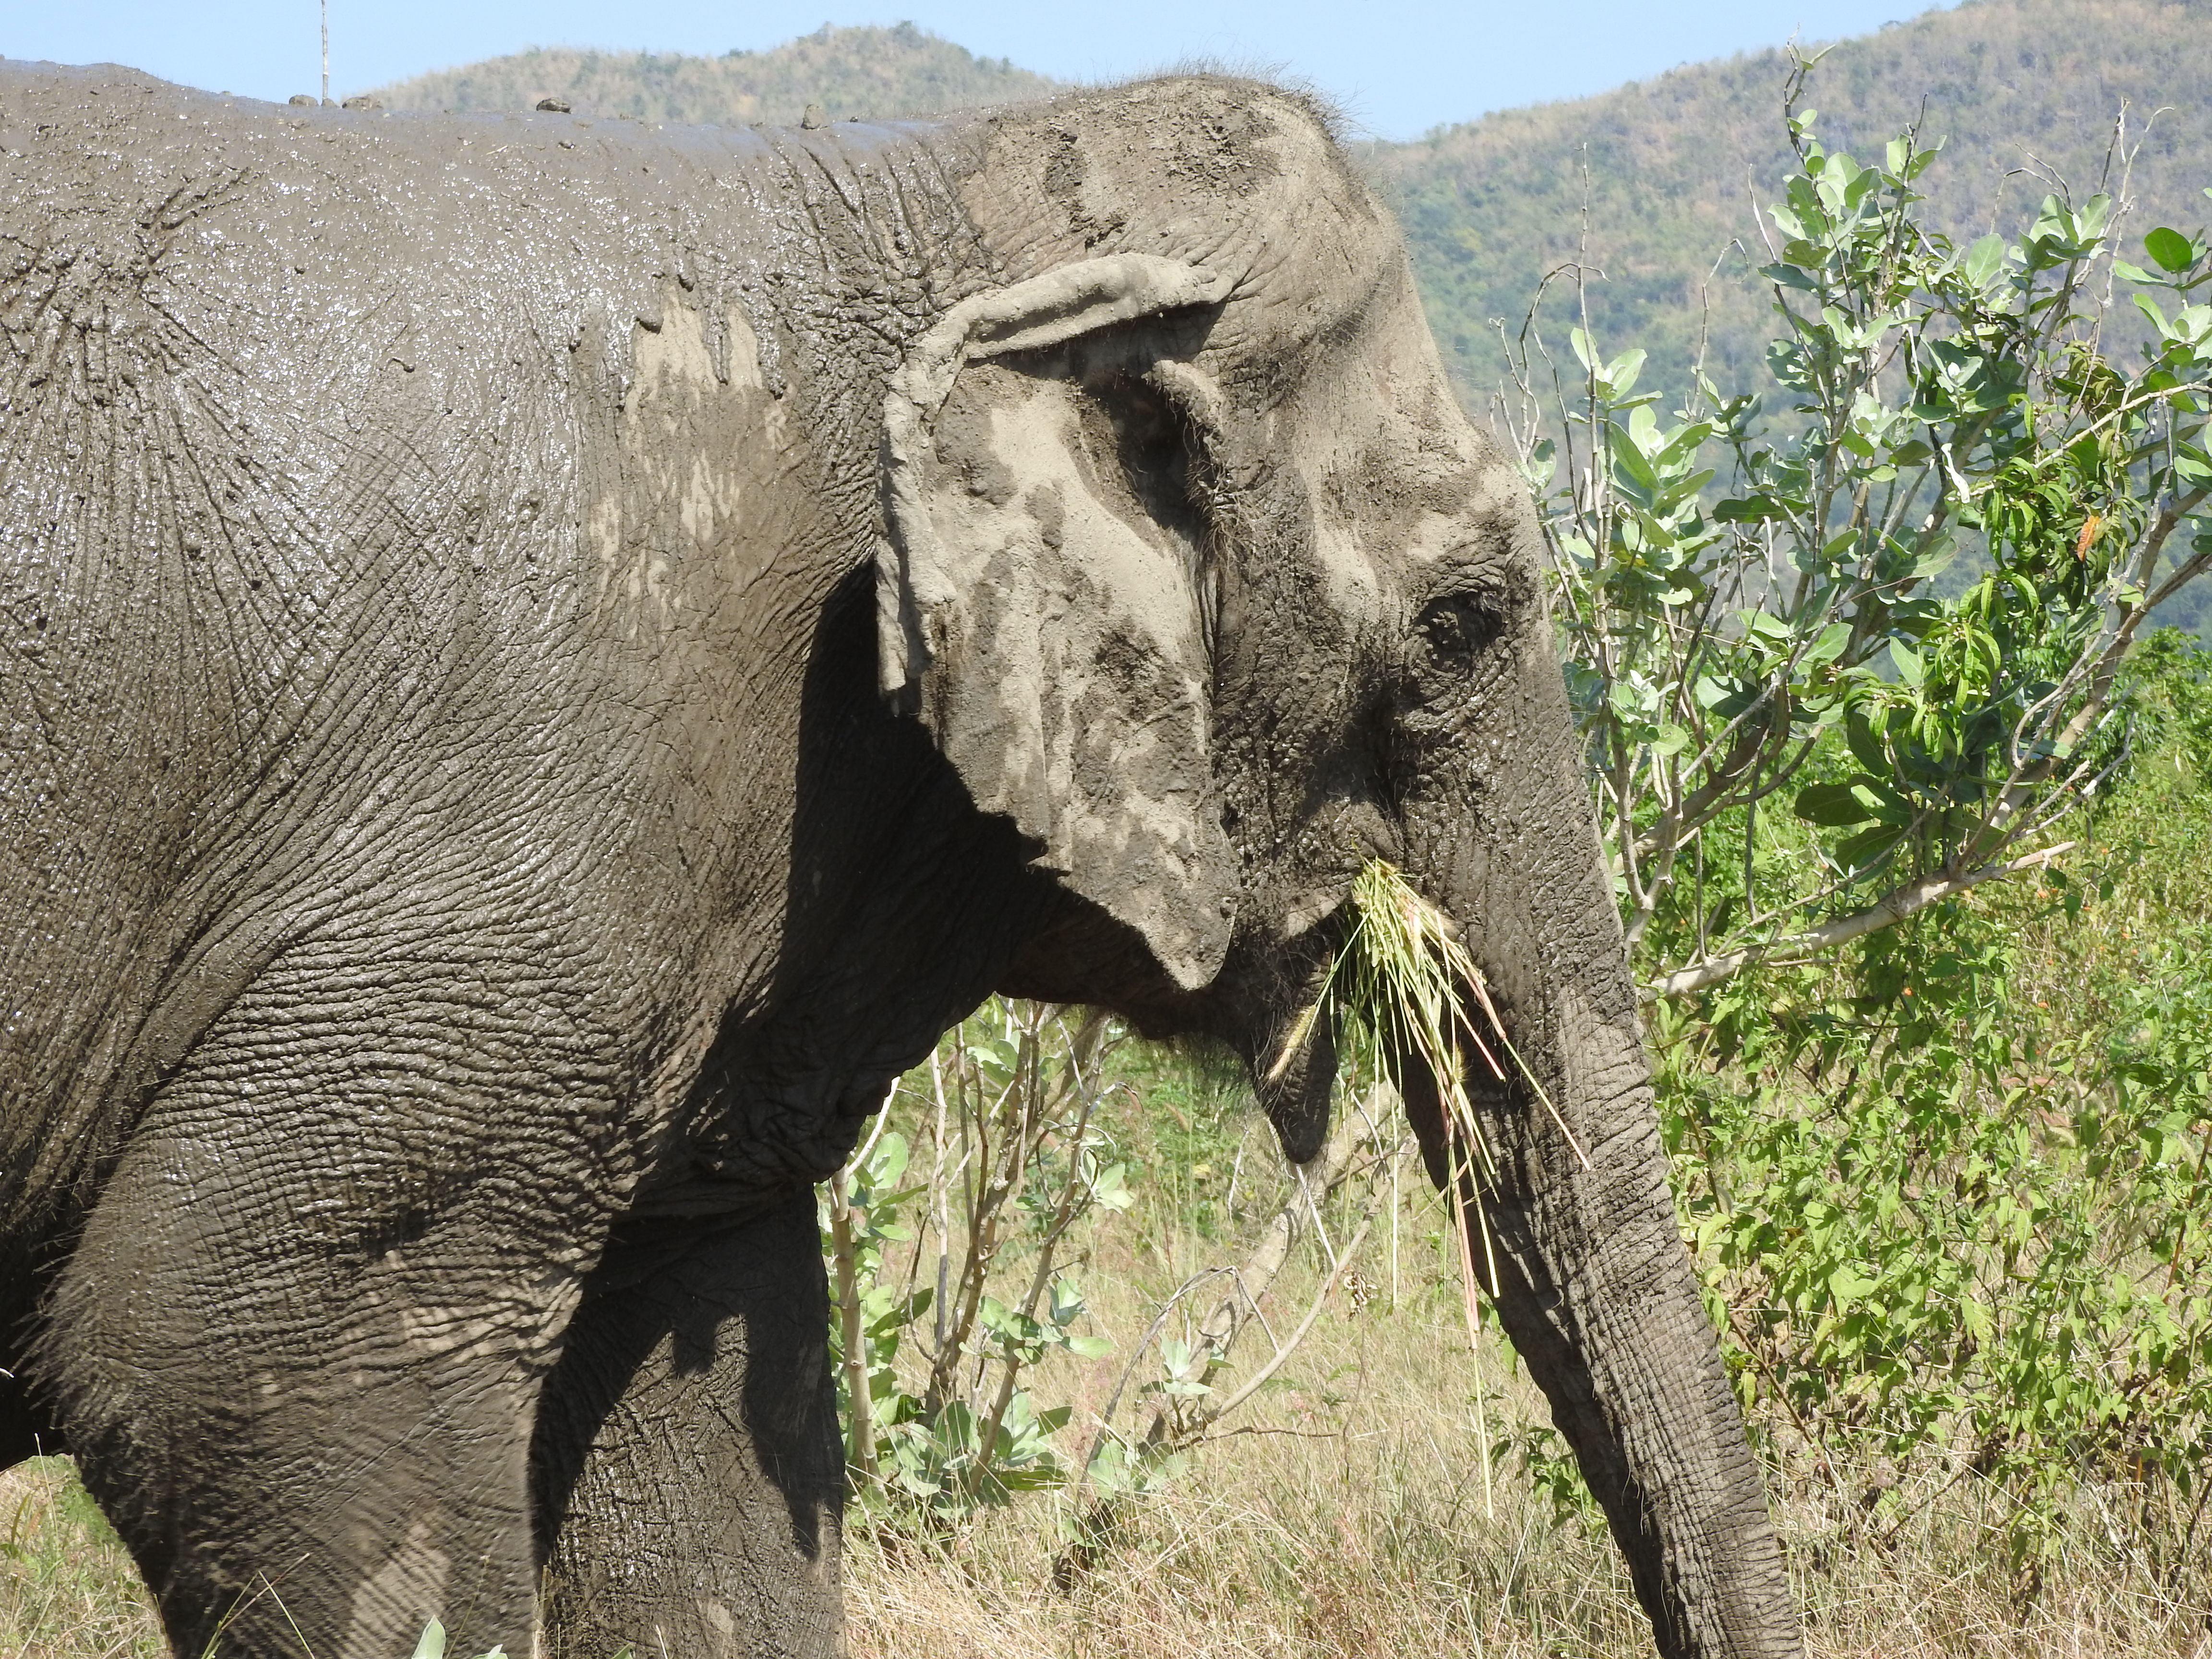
(1953, 1228)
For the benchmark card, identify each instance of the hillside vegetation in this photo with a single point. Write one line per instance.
(1657, 186)
(853, 73)
(1660, 185)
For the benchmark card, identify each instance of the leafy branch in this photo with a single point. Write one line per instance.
(1840, 656)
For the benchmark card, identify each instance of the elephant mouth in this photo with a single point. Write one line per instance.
(1289, 1039)
(1306, 914)
(1263, 1003)
(1385, 967)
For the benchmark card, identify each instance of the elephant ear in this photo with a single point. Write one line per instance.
(1039, 592)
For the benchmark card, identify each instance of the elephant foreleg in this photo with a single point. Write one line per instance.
(307, 1452)
(689, 1474)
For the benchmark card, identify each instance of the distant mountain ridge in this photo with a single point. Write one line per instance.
(1660, 185)
(1675, 169)
(851, 73)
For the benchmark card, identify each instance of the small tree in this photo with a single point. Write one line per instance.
(951, 1240)
(1879, 665)
(1840, 655)
(1007, 1117)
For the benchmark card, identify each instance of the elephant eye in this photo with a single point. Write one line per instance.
(1451, 629)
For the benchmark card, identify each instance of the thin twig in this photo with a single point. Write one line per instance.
(1887, 912)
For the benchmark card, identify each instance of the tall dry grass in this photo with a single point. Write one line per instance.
(1347, 1519)
(67, 1591)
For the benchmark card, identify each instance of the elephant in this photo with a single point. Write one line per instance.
(550, 659)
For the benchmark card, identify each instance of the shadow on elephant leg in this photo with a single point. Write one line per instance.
(686, 1466)
(25, 1431)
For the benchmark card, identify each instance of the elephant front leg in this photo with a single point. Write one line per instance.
(689, 1475)
(310, 1446)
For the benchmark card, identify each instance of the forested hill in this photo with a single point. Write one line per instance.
(850, 72)
(1664, 172)
(1659, 176)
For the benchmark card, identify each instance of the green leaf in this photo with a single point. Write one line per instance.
(1042, 1477)
(1789, 275)
(1865, 744)
(1910, 668)
(1985, 259)
(1766, 628)
(1177, 1388)
(889, 1160)
(1937, 557)
(1680, 447)
(1110, 1190)
(2170, 248)
(1714, 694)
(1846, 1285)
(1632, 470)
(1830, 644)
(1680, 492)
(1888, 806)
(433, 1644)
(1748, 509)
(1833, 806)
(1862, 852)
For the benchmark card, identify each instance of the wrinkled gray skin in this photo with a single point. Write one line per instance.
(547, 661)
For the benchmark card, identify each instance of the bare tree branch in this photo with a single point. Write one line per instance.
(1887, 912)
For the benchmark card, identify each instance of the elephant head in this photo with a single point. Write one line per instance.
(1196, 572)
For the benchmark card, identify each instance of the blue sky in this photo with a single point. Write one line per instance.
(1400, 66)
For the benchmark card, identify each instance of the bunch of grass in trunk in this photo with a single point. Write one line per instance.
(1404, 990)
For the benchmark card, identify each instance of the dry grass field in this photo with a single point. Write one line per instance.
(1348, 1520)
(67, 1591)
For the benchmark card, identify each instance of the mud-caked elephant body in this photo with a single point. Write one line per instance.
(547, 660)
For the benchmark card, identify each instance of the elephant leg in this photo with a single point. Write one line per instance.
(690, 1475)
(310, 1447)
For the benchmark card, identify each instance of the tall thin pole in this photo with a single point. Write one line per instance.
(326, 50)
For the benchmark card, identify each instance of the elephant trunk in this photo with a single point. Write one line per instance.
(1579, 1246)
